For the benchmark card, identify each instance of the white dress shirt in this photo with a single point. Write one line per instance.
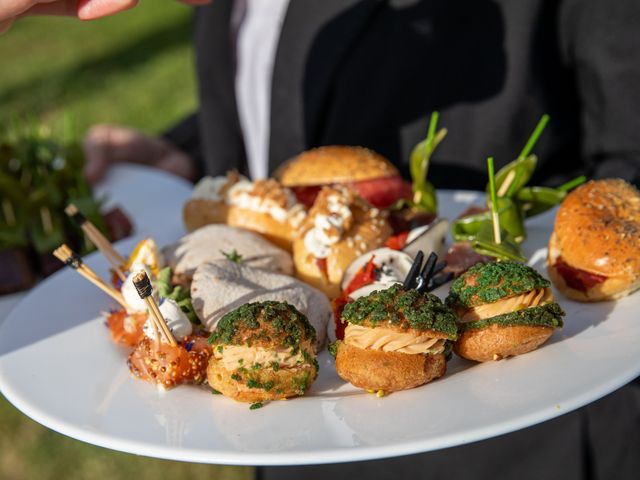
(256, 46)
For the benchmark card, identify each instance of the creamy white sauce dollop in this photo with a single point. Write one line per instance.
(176, 320)
(327, 229)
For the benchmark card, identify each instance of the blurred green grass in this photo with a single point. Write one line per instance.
(135, 69)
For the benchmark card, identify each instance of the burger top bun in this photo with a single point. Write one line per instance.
(597, 229)
(334, 164)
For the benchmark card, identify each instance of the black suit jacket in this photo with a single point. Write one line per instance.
(369, 72)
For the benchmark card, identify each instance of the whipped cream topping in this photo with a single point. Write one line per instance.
(248, 195)
(129, 292)
(176, 320)
(216, 188)
(328, 227)
(209, 188)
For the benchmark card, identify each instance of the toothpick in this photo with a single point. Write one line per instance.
(494, 203)
(98, 239)
(73, 260)
(504, 188)
(143, 286)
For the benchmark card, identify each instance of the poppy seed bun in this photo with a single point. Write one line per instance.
(262, 351)
(597, 231)
(387, 371)
(334, 164)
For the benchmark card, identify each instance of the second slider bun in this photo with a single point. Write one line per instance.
(334, 164)
(594, 252)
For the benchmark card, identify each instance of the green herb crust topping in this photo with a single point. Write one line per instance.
(547, 315)
(490, 282)
(270, 324)
(402, 309)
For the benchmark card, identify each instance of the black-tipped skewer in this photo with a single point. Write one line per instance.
(428, 277)
(426, 274)
(414, 271)
(439, 280)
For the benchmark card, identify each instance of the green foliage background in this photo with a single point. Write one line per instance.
(135, 68)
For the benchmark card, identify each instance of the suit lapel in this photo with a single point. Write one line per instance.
(316, 37)
(221, 135)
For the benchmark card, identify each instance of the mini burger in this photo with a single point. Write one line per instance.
(262, 351)
(339, 228)
(208, 202)
(267, 208)
(395, 339)
(368, 173)
(503, 309)
(594, 251)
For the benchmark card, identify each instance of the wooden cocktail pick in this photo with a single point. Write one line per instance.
(143, 286)
(73, 260)
(98, 239)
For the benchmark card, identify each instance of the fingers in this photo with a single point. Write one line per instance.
(5, 25)
(178, 163)
(196, 2)
(97, 153)
(83, 9)
(108, 144)
(92, 9)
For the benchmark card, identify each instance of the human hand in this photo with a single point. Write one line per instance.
(83, 9)
(105, 145)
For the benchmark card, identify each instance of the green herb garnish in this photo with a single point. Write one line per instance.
(181, 296)
(233, 256)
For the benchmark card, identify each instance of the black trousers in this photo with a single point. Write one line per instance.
(600, 441)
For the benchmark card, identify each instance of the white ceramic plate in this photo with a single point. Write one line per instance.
(58, 366)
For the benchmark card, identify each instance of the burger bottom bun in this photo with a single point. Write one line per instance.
(496, 342)
(287, 382)
(611, 289)
(199, 212)
(388, 371)
(278, 233)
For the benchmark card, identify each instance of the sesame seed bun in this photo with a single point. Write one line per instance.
(334, 164)
(597, 231)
